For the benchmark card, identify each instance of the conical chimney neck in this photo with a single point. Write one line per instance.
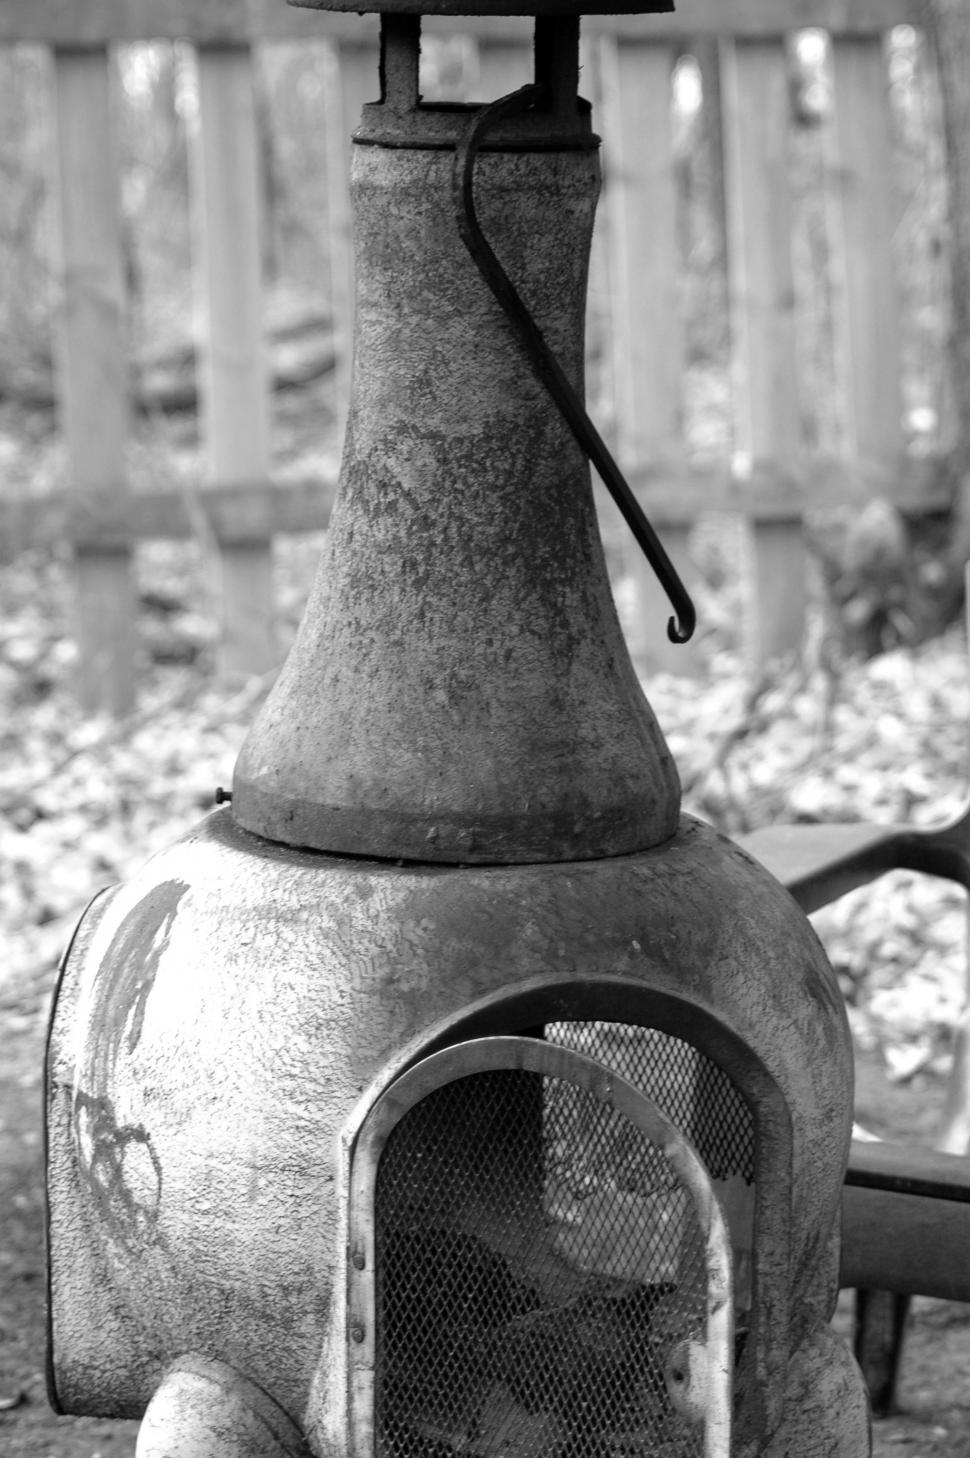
(459, 690)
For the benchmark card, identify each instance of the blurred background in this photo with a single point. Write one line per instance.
(778, 352)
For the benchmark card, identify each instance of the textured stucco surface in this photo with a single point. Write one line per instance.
(198, 1091)
(460, 689)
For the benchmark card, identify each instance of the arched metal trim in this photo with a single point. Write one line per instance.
(533, 1056)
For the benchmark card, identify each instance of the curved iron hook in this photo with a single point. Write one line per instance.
(547, 367)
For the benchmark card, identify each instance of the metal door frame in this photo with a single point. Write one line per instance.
(534, 1056)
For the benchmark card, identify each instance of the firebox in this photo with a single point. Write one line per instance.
(451, 1092)
(540, 1263)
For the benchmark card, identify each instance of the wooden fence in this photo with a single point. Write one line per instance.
(767, 476)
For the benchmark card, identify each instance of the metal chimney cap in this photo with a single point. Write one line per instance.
(490, 7)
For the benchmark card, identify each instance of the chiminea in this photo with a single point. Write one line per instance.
(452, 1093)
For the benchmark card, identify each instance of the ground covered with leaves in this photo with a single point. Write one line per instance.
(82, 802)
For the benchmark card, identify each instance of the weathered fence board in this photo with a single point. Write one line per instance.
(867, 313)
(356, 84)
(92, 366)
(98, 22)
(762, 318)
(503, 64)
(240, 513)
(234, 371)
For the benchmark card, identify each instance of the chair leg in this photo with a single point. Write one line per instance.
(880, 1327)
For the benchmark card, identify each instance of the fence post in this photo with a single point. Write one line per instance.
(234, 373)
(762, 312)
(356, 82)
(640, 208)
(92, 382)
(600, 394)
(867, 313)
(504, 62)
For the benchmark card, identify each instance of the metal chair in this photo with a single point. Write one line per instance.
(906, 1209)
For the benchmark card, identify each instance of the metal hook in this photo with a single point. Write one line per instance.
(681, 626)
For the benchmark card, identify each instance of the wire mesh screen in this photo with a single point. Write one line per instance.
(541, 1279)
(691, 1090)
(704, 1104)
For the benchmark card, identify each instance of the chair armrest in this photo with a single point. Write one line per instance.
(906, 1221)
(820, 863)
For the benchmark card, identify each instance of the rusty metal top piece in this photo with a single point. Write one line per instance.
(557, 117)
(490, 7)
